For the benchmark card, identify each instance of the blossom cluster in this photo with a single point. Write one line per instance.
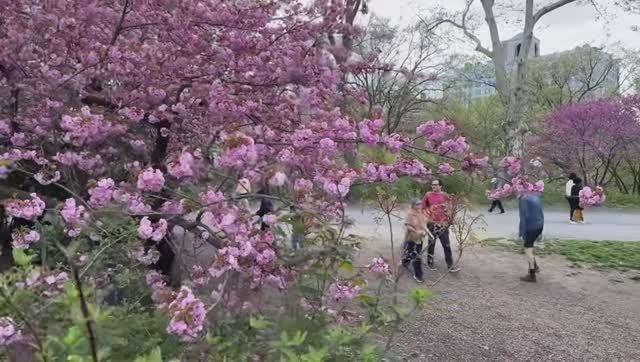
(511, 165)
(154, 231)
(75, 217)
(23, 237)
(592, 197)
(379, 266)
(9, 332)
(29, 209)
(50, 284)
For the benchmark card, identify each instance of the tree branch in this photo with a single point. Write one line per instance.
(549, 8)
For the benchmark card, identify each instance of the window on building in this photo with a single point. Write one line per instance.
(536, 50)
(518, 50)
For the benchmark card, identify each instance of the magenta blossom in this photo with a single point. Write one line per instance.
(145, 257)
(278, 179)
(74, 217)
(182, 167)
(453, 147)
(511, 165)
(342, 291)
(25, 209)
(102, 194)
(269, 219)
(9, 332)
(378, 265)
(445, 169)
(435, 131)
(155, 232)
(592, 197)
(150, 180)
(187, 315)
(23, 238)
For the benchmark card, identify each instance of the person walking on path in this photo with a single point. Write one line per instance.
(495, 185)
(416, 230)
(437, 205)
(266, 207)
(531, 225)
(297, 228)
(567, 193)
(577, 215)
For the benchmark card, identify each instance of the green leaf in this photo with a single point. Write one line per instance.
(368, 300)
(347, 266)
(420, 296)
(258, 323)
(154, 356)
(21, 258)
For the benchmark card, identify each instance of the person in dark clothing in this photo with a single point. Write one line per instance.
(495, 185)
(567, 192)
(574, 202)
(531, 226)
(266, 206)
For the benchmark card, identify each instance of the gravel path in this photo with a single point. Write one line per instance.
(485, 313)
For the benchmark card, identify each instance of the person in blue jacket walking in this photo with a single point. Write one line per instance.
(531, 225)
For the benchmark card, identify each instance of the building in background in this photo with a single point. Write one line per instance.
(581, 73)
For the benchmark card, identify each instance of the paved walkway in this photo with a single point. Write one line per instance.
(602, 224)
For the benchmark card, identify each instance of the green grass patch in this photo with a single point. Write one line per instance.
(604, 255)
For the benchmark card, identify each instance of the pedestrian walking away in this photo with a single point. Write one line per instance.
(495, 184)
(577, 214)
(415, 224)
(437, 204)
(567, 192)
(531, 226)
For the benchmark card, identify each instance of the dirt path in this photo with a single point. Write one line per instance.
(485, 313)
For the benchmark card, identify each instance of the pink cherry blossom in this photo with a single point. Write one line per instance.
(393, 142)
(511, 165)
(328, 147)
(47, 177)
(445, 169)
(187, 315)
(151, 180)
(473, 165)
(278, 179)
(145, 257)
(270, 219)
(342, 291)
(102, 194)
(591, 197)
(155, 231)
(182, 167)
(302, 185)
(75, 217)
(25, 209)
(379, 266)
(9, 332)
(435, 130)
(453, 147)
(211, 197)
(23, 238)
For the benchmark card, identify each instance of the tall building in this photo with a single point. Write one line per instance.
(589, 64)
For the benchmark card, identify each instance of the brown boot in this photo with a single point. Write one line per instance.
(531, 277)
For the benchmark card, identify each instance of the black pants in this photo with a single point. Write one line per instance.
(442, 233)
(574, 204)
(497, 203)
(411, 255)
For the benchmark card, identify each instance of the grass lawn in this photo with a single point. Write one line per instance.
(605, 255)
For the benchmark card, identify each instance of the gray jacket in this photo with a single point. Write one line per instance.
(531, 214)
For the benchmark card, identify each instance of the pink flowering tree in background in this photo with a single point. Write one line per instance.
(598, 140)
(126, 127)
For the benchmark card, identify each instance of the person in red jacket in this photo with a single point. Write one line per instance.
(437, 205)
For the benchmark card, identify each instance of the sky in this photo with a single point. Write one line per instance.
(563, 29)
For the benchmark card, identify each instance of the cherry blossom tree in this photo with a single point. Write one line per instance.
(130, 124)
